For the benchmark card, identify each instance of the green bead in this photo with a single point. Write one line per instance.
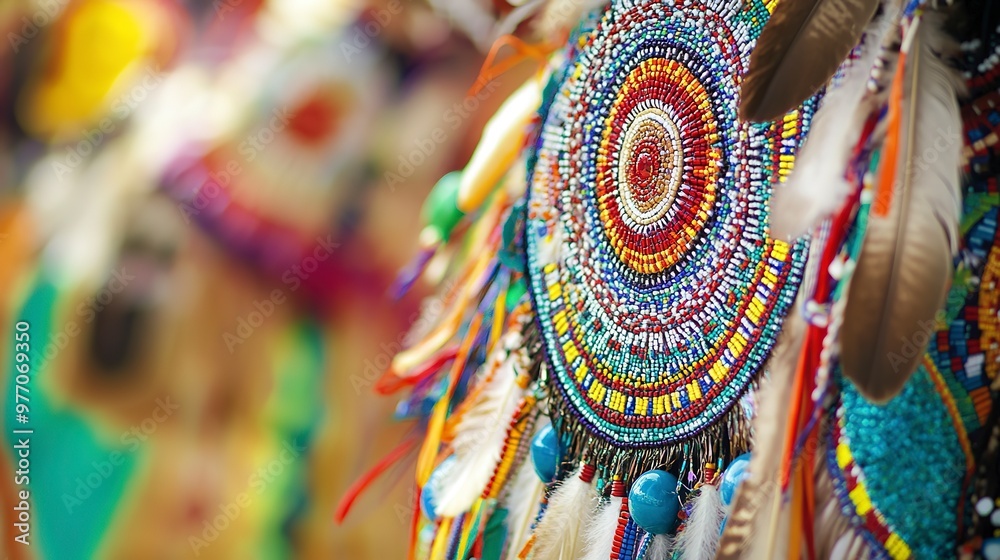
(440, 211)
(515, 293)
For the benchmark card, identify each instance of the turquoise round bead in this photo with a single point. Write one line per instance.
(735, 473)
(545, 453)
(653, 502)
(991, 549)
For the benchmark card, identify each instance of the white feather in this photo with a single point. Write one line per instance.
(480, 437)
(659, 549)
(817, 186)
(700, 537)
(523, 502)
(599, 535)
(557, 536)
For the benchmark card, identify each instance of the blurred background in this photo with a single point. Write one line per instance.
(203, 208)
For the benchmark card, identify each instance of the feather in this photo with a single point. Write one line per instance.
(606, 523)
(557, 536)
(798, 52)
(758, 497)
(600, 530)
(905, 265)
(523, 503)
(818, 184)
(659, 548)
(700, 537)
(481, 432)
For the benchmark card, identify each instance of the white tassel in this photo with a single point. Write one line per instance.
(523, 503)
(817, 186)
(700, 537)
(557, 536)
(599, 536)
(481, 433)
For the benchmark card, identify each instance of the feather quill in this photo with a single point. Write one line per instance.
(557, 536)
(798, 52)
(818, 185)
(481, 432)
(700, 537)
(759, 496)
(905, 265)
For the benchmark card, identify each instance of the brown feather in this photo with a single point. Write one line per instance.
(758, 500)
(905, 265)
(801, 48)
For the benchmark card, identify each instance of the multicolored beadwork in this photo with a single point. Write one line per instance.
(948, 404)
(658, 291)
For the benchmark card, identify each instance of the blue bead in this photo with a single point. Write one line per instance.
(991, 549)
(545, 453)
(735, 473)
(428, 501)
(653, 502)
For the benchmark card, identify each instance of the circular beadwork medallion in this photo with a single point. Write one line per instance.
(658, 292)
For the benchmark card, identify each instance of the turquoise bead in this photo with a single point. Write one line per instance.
(653, 502)
(545, 453)
(735, 473)
(991, 549)
(428, 501)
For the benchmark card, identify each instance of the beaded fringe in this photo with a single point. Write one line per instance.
(729, 436)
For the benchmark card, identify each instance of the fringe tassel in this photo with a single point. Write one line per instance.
(557, 536)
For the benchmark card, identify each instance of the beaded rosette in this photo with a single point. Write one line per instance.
(657, 291)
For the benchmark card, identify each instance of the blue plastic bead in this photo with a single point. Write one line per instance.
(428, 501)
(653, 502)
(735, 473)
(545, 453)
